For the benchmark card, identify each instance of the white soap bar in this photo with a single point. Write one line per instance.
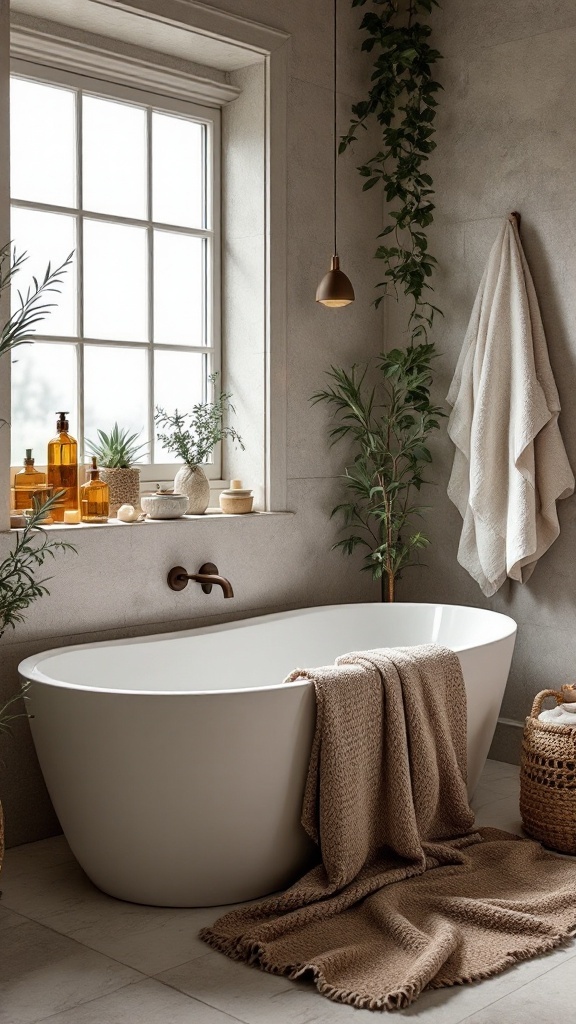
(127, 514)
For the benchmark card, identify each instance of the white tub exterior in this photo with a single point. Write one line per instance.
(176, 763)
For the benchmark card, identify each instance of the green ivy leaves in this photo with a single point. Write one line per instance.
(402, 98)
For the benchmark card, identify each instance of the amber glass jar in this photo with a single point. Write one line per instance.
(94, 497)
(29, 484)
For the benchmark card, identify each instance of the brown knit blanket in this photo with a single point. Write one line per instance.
(407, 896)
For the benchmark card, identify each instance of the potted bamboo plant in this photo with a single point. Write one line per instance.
(117, 454)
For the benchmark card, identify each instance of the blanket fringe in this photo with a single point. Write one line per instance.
(251, 952)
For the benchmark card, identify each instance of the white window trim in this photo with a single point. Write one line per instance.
(150, 473)
(54, 51)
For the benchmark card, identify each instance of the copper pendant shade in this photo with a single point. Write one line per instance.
(335, 289)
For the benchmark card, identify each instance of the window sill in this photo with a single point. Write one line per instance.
(211, 514)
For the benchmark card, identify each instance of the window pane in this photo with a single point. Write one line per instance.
(42, 143)
(43, 381)
(115, 282)
(47, 238)
(179, 289)
(114, 163)
(115, 390)
(178, 384)
(177, 171)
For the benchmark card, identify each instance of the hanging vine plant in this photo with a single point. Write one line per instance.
(403, 101)
(390, 421)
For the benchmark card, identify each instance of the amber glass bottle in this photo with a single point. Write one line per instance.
(29, 483)
(63, 468)
(94, 497)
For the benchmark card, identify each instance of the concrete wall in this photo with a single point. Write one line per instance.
(115, 585)
(507, 141)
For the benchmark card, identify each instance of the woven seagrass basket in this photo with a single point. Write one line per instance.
(548, 779)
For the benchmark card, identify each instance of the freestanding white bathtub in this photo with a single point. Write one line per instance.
(176, 763)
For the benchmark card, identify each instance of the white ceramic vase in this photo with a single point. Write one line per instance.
(193, 482)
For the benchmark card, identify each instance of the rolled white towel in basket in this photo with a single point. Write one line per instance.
(562, 714)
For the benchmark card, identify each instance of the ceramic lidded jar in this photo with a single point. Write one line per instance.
(164, 505)
(237, 500)
(193, 482)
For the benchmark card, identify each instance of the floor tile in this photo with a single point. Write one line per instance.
(259, 998)
(8, 919)
(548, 1000)
(147, 1002)
(501, 813)
(59, 895)
(37, 886)
(498, 769)
(254, 996)
(42, 973)
(42, 855)
(150, 939)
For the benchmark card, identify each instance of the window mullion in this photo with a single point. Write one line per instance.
(150, 231)
(113, 218)
(80, 272)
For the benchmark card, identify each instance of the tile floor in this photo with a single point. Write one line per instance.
(71, 955)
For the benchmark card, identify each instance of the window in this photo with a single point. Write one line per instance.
(129, 181)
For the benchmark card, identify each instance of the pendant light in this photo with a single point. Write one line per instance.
(335, 289)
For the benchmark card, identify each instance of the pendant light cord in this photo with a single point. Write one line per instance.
(335, 128)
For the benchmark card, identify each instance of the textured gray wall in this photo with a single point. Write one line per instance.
(115, 586)
(507, 141)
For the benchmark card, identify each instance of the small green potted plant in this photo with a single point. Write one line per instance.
(193, 437)
(117, 454)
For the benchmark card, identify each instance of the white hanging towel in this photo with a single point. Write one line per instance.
(510, 465)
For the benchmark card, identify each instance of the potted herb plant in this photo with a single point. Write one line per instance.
(117, 453)
(193, 437)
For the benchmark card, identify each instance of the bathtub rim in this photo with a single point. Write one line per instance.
(29, 668)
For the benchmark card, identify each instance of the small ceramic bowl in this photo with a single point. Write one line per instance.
(164, 506)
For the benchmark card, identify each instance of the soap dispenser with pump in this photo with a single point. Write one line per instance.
(63, 468)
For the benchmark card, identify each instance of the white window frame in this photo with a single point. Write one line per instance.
(211, 118)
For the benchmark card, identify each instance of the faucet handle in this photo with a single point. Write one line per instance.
(208, 569)
(178, 578)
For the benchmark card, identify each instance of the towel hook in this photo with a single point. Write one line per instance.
(515, 217)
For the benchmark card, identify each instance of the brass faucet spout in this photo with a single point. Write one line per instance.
(207, 576)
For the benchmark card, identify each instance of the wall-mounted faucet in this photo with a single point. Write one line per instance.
(207, 576)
